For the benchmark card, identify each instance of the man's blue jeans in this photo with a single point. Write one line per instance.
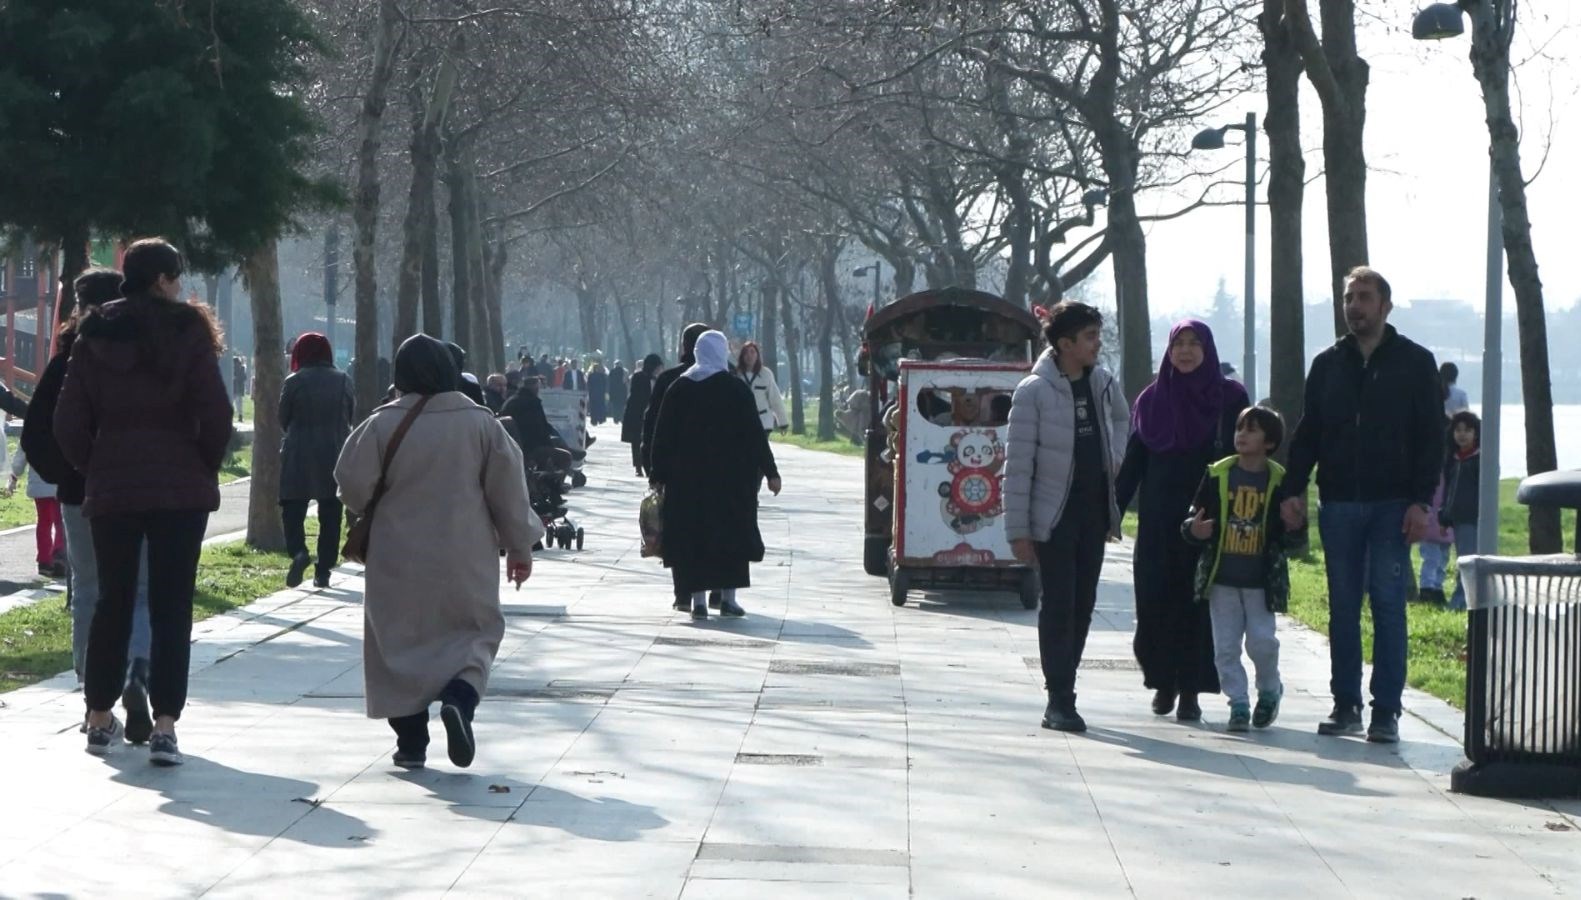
(1365, 552)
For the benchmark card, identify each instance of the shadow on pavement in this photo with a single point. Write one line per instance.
(595, 818)
(1234, 765)
(241, 802)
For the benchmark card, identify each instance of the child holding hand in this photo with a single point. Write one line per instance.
(1243, 574)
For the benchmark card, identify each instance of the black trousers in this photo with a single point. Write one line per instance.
(1069, 564)
(175, 540)
(411, 732)
(636, 455)
(294, 515)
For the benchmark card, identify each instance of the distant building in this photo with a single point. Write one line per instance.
(27, 294)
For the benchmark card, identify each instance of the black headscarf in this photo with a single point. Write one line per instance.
(424, 365)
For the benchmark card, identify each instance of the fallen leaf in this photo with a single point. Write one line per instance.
(499, 789)
(310, 801)
(1557, 826)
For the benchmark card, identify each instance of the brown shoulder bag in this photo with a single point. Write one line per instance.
(356, 548)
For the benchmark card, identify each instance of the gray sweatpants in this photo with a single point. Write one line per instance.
(1242, 613)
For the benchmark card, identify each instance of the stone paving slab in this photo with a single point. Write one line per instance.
(828, 745)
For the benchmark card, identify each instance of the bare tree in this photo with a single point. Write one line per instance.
(365, 212)
(1286, 194)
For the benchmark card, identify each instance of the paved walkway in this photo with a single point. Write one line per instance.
(829, 745)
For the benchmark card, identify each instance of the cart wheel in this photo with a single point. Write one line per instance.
(1030, 589)
(899, 584)
(580, 535)
(578, 479)
(875, 556)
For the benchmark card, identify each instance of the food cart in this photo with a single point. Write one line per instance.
(941, 366)
(567, 412)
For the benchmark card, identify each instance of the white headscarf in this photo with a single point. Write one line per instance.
(712, 354)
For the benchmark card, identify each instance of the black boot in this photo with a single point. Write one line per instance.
(457, 703)
(139, 721)
(1163, 702)
(1061, 715)
(1189, 709)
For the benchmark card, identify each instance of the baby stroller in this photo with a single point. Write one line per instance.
(548, 502)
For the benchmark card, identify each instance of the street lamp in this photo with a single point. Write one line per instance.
(1442, 20)
(863, 270)
(1213, 139)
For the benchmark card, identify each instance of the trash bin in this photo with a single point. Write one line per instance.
(1523, 665)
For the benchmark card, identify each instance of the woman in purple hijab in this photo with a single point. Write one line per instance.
(1181, 422)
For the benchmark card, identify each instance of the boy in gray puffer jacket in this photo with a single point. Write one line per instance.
(1069, 423)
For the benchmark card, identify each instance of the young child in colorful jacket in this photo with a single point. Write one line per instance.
(1243, 574)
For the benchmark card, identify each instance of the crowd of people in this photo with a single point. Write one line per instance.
(1394, 452)
(130, 422)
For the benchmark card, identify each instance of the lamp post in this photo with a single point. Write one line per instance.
(1436, 22)
(1213, 139)
(863, 270)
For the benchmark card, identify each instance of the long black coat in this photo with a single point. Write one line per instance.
(636, 408)
(597, 396)
(316, 408)
(1174, 633)
(711, 455)
(617, 390)
(650, 419)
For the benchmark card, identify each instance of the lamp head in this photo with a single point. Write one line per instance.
(1438, 21)
(1208, 139)
(860, 271)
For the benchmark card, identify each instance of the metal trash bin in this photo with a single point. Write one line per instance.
(1523, 665)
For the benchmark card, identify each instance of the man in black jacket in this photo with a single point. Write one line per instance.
(650, 418)
(1373, 425)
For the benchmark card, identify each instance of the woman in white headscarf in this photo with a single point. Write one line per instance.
(710, 454)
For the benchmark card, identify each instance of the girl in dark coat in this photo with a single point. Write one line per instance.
(637, 407)
(316, 411)
(711, 455)
(1181, 422)
(144, 415)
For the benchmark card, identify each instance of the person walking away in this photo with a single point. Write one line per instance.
(711, 455)
(1182, 422)
(618, 385)
(1462, 494)
(650, 418)
(144, 416)
(317, 408)
(636, 407)
(1372, 424)
(1068, 425)
(49, 533)
(93, 288)
(765, 392)
(1455, 399)
(238, 383)
(1243, 575)
(597, 393)
(445, 488)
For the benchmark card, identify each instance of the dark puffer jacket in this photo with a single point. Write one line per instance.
(143, 413)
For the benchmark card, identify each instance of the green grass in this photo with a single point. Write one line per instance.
(35, 641)
(238, 465)
(17, 509)
(1437, 637)
(809, 441)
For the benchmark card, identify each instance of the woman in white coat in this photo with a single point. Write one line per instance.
(765, 392)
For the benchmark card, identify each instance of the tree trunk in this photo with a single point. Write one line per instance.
(1493, 23)
(767, 345)
(831, 305)
(793, 351)
(264, 528)
(433, 311)
(495, 256)
(483, 328)
(1286, 193)
(460, 252)
(365, 212)
(227, 309)
(73, 262)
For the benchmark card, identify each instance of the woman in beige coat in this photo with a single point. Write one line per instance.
(455, 494)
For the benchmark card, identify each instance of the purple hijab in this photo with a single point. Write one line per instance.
(1180, 411)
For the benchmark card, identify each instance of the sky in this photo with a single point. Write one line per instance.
(1426, 142)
